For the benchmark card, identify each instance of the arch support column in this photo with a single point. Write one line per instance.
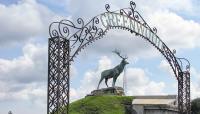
(58, 75)
(184, 93)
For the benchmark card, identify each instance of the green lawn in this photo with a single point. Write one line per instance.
(108, 104)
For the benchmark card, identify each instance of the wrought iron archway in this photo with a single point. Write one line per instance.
(67, 39)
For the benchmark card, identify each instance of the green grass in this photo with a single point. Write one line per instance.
(108, 104)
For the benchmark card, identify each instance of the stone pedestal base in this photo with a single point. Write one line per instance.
(108, 91)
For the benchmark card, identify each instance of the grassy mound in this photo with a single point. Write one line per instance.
(108, 104)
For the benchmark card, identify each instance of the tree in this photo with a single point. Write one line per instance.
(195, 106)
(9, 112)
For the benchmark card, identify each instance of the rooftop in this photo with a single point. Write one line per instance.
(155, 100)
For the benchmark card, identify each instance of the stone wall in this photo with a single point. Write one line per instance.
(108, 91)
(154, 109)
(159, 112)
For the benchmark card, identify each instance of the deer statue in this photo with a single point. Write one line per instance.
(114, 72)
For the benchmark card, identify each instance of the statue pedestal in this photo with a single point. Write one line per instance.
(108, 91)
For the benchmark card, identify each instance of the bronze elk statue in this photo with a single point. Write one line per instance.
(114, 72)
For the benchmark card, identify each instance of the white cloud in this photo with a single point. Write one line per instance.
(137, 81)
(177, 32)
(195, 90)
(89, 7)
(158, 13)
(73, 71)
(164, 65)
(90, 79)
(195, 83)
(24, 21)
(129, 44)
(24, 78)
(178, 5)
(27, 68)
(186, 6)
(33, 92)
(15, 97)
(195, 73)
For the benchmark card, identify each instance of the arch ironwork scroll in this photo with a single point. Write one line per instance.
(68, 38)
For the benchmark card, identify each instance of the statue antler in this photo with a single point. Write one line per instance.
(118, 53)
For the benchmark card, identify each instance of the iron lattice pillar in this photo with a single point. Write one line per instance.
(180, 93)
(58, 75)
(187, 92)
(184, 93)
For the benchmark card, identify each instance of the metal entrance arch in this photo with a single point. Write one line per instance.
(67, 39)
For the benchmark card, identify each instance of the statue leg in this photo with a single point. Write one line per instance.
(106, 80)
(99, 82)
(114, 80)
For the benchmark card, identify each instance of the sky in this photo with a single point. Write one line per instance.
(24, 40)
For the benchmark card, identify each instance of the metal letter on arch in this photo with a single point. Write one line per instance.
(67, 39)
